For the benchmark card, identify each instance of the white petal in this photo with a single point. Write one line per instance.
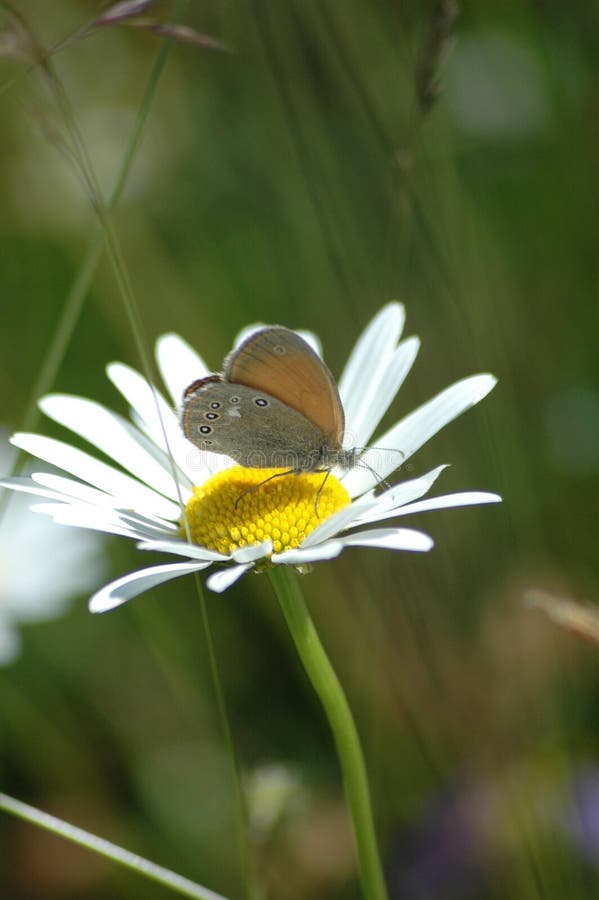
(159, 420)
(80, 495)
(80, 516)
(68, 487)
(379, 392)
(448, 501)
(340, 520)
(101, 512)
(96, 518)
(27, 486)
(149, 524)
(113, 435)
(389, 539)
(252, 552)
(224, 578)
(183, 548)
(373, 348)
(418, 427)
(127, 491)
(179, 365)
(311, 339)
(129, 586)
(328, 550)
(387, 503)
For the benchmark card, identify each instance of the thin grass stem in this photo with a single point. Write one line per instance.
(102, 847)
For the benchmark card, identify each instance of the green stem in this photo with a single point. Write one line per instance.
(329, 690)
(139, 864)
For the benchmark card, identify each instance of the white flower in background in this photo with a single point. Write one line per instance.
(272, 790)
(40, 571)
(236, 531)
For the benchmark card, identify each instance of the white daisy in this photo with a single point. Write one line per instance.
(43, 591)
(276, 525)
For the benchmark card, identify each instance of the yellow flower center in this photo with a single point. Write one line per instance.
(239, 506)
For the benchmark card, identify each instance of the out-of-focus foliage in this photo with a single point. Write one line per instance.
(296, 179)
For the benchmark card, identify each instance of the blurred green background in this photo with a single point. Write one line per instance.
(298, 179)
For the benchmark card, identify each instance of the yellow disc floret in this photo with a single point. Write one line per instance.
(240, 506)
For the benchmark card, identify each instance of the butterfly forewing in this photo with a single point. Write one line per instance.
(278, 361)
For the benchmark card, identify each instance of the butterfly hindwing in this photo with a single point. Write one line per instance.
(252, 427)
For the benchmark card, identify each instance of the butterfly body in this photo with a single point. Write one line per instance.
(275, 405)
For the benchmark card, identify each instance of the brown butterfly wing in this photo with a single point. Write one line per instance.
(253, 428)
(278, 361)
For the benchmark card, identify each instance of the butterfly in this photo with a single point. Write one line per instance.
(275, 405)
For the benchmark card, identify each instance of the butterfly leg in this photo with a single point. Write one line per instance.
(255, 487)
(319, 492)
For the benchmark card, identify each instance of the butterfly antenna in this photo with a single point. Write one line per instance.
(363, 464)
(379, 481)
(319, 492)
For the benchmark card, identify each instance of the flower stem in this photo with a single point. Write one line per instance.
(329, 690)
